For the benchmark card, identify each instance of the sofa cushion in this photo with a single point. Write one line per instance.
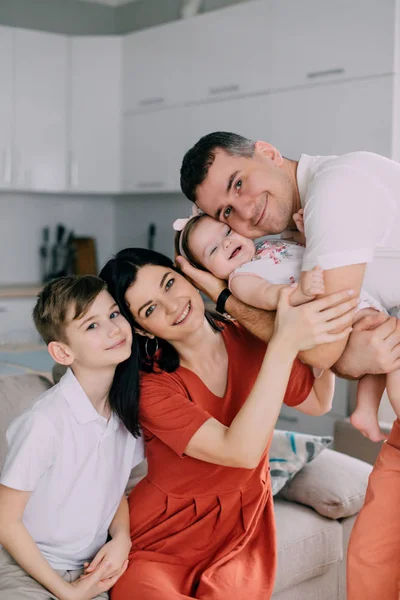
(307, 544)
(17, 393)
(289, 452)
(334, 484)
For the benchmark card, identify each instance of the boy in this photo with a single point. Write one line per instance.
(69, 459)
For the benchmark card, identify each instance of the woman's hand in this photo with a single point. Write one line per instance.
(309, 325)
(202, 280)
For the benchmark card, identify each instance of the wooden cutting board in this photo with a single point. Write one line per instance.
(85, 262)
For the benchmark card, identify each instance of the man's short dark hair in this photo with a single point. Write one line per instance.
(201, 156)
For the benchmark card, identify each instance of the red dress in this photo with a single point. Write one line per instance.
(201, 530)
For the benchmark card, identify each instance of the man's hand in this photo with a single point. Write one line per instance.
(114, 553)
(373, 347)
(202, 280)
(93, 584)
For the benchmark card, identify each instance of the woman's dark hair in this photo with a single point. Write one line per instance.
(120, 273)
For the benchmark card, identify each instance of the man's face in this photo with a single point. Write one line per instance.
(255, 196)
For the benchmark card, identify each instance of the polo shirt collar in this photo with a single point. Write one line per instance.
(80, 405)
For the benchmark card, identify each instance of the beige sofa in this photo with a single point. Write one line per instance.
(311, 546)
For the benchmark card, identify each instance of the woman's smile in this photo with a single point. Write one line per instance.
(184, 314)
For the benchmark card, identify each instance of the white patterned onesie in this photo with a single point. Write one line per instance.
(279, 262)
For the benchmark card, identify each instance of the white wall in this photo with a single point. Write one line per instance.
(135, 213)
(22, 218)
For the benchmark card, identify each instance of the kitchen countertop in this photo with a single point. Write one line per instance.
(20, 290)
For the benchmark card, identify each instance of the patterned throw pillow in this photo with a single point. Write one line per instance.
(289, 452)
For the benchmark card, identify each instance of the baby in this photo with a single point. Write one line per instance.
(256, 273)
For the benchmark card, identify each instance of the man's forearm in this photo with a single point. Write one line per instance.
(259, 322)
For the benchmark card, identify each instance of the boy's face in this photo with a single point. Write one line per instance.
(100, 338)
(218, 248)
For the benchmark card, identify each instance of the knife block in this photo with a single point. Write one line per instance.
(85, 262)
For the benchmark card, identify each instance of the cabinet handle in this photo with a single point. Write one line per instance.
(152, 101)
(288, 419)
(73, 172)
(7, 165)
(145, 185)
(224, 89)
(316, 74)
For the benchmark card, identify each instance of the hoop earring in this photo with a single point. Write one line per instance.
(150, 357)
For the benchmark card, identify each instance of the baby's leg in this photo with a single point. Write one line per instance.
(393, 390)
(365, 417)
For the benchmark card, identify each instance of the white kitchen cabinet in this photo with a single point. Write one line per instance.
(95, 86)
(255, 47)
(39, 157)
(153, 147)
(332, 119)
(156, 67)
(321, 41)
(6, 104)
(16, 323)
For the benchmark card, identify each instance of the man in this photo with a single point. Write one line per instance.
(352, 221)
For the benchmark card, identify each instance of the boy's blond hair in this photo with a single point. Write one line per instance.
(52, 312)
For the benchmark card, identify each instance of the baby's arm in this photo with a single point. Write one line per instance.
(255, 291)
(258, 292)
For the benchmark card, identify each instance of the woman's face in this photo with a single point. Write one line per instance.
(165, 304)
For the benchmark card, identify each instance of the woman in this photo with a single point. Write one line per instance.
(202, 523)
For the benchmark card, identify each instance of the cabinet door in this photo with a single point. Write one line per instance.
(146, 140)
(95, 114)
(332, 119)
(230, 51)
(320, 40)
(156, 67)
(16, 323)
(6, 105)
(40, 110)
(266, 45)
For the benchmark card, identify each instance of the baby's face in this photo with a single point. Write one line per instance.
(218, 248)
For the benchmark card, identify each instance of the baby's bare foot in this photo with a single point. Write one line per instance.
(367, 423)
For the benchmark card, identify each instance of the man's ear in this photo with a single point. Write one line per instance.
(61, 353)
(265, 149)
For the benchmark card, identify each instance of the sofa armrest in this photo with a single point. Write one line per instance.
(334, 484)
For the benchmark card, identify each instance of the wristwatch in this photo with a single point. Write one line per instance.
(221, 301)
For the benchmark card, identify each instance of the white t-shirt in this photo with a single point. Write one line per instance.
(351, 216)
(77, 465)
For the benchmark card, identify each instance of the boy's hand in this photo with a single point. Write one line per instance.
(114, 553)
(96, 583)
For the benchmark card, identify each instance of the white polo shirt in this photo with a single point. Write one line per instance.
(351, 216)
(77, 465)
